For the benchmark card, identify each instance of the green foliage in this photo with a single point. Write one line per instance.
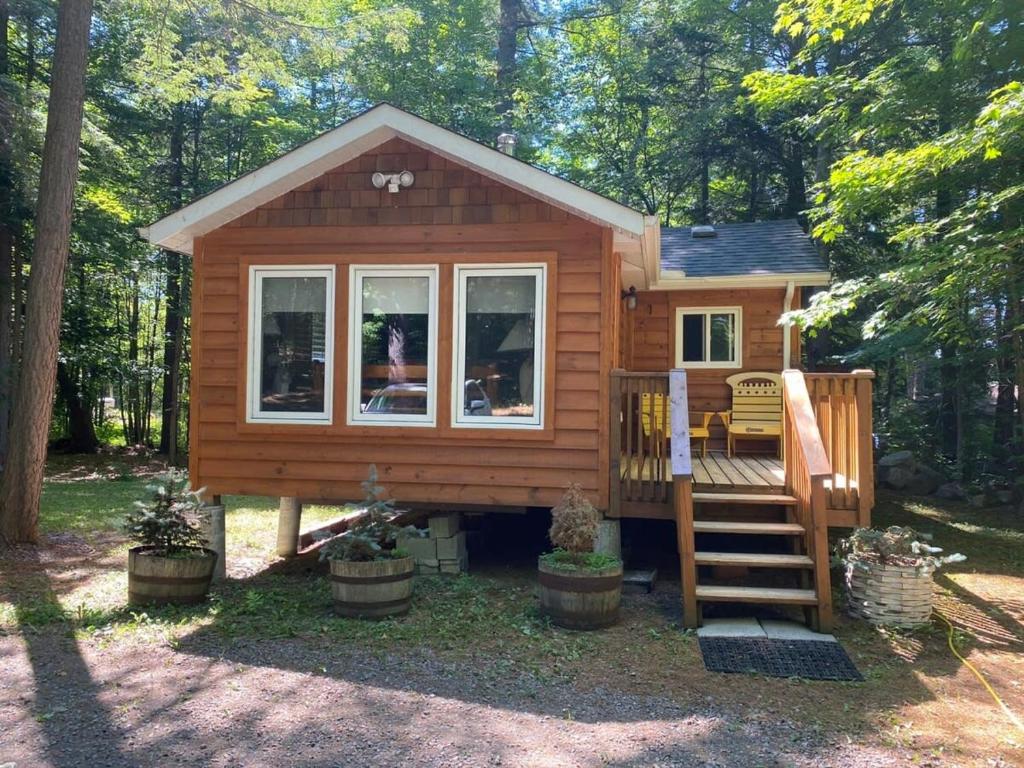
(373, 535)
(562, 560)
(896, 545)
(170, 519)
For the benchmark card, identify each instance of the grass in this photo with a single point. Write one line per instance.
(913, 686)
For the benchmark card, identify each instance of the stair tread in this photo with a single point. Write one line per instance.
(757, 595)
(758, 559)
(730, 526)
(743, 498)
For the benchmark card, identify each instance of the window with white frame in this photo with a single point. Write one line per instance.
(709, 337)
(291, 344)
(498, 355)
(392, 345)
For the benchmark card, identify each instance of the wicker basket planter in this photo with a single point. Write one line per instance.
(893, 595)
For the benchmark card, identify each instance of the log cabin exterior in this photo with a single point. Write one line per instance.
(393, 293)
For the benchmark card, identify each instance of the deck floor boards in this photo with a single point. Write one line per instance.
(714, 472)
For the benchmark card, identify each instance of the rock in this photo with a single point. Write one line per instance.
(952, 491)
(897, 459)
(897, 477)
(924, 480)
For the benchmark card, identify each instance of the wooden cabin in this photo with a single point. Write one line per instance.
(394, 293)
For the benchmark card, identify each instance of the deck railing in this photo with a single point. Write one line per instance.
(842, 409)
(640, 472)
(807, 473)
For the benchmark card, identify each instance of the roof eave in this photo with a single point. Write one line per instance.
(775, 280)
(177, 230)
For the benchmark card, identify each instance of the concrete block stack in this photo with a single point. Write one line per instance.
(444, 550)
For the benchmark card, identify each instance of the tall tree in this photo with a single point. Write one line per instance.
(22, 482)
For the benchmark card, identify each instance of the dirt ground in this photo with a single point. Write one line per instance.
(264, 675)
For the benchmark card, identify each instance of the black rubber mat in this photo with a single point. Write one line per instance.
(809, 659)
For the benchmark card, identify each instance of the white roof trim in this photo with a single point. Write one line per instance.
(780, 280)
(358, 135)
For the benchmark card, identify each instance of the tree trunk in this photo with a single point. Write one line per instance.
(508, 32)
(6, 242)
(81, 432)
(172, 318)
(22, 483)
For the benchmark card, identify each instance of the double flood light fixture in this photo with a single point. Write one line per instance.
(393, 181)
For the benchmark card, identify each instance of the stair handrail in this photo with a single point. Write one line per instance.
(807, 470)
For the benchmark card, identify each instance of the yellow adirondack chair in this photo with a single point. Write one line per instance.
(654, 410)
(756, 411)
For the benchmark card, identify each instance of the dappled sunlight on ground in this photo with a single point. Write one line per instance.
(264, 674)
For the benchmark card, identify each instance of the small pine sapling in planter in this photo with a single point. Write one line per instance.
(579, 588)
(889, 574)
(171, 563)
(370, 576)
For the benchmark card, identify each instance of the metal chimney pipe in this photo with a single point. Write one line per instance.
(507, 143)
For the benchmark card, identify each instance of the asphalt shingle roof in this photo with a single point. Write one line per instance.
(754, 248)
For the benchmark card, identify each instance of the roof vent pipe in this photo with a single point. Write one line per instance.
(507, 143)
(703, 230)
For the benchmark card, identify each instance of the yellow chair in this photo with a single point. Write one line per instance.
(756, 411)
(654, 410)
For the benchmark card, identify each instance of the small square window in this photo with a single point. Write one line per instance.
(709, 337)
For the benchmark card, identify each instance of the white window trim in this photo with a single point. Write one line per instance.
(707, 312)
(463, 271)
(355, 347)
(254, 414)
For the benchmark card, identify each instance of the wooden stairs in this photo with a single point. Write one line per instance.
(777, 541)
(750, 544)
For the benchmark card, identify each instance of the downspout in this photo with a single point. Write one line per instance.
(787, 333)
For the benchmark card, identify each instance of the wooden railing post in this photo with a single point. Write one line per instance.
(865, 448)
(615, 447)
(682, 494)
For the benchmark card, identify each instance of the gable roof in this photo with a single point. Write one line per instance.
(360, 134)
(762, 251)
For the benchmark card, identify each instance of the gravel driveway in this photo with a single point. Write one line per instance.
(303, 703)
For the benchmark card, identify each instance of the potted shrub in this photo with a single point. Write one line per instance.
(171, 563)
(370, 576)
(889, 574)
(579, 588)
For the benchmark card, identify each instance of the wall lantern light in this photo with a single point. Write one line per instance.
(630, 297)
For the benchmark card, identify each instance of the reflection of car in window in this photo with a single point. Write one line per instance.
(412, 398)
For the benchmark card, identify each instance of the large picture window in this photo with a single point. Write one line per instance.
(392, 345)
(291, 341)
(709, 337)
(499, 346)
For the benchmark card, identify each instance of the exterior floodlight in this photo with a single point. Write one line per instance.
(392, 180)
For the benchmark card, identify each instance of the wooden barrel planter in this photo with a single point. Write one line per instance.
(580, 599)
(894, 595)
(157, 580)
(372, 590)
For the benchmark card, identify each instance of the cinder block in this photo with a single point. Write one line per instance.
(426, 570)
(459, 565)
(451, 548)
(443, 526)
(419, 548)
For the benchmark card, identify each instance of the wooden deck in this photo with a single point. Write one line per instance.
(716, 473)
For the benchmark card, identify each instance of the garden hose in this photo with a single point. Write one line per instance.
(1002, 705)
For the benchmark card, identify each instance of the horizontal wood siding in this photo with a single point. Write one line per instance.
(652, 347)
(450, 215)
